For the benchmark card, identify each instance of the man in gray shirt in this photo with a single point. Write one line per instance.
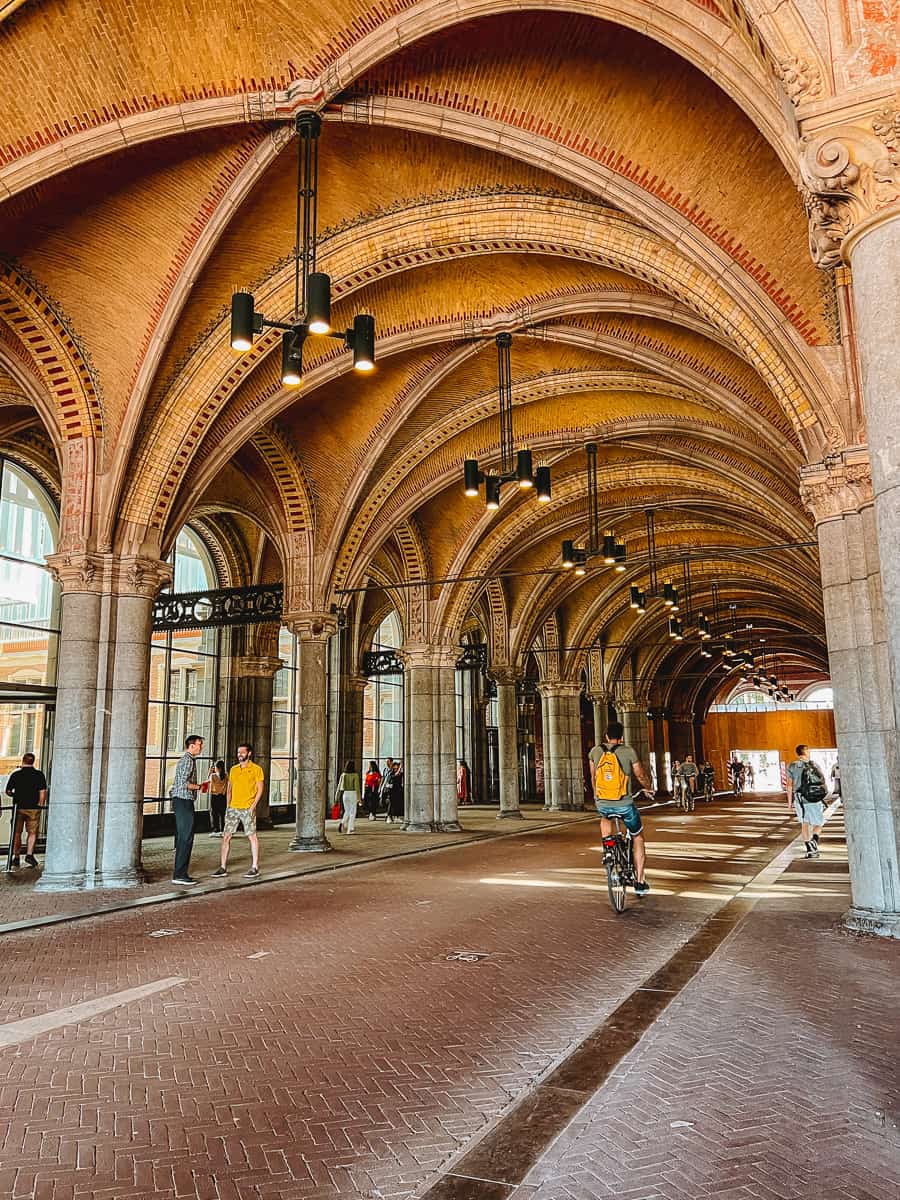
(184, 789)
(625, 806)
(810, 813)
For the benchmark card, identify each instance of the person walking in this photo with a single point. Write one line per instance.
(836, 778)
(348, 794)
(806, 792)
(183, 792)
(397, 800)
(245, 787)
(463, 783)
(28, 788)
(218, 802)
(373, 784)
(387, 787)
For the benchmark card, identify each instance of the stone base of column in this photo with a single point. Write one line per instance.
(510, 814)
(119, 879)
(448, 827)
(311, 845)
(420, 827)
(66, 881)
(867, 920)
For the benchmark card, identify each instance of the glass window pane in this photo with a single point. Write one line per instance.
(157, 672)
(281, 733)
(280, 781)
(28, 521)
(27, 655)
(155, 718)
(152, 769)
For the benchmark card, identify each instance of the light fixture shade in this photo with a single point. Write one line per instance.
(671, 626)
(609, 548)
(363, 342)
(580, 562)
(242, 321)
(668, 594)
(568, 554)
(523, 469)
(318, 302)
(634, 593)
(728, 647)
(542, 484)
(620, 557)
(491, 491)
(471, 476)
(292, 359)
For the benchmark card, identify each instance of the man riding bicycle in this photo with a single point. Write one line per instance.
(612, 766)
(689, 773)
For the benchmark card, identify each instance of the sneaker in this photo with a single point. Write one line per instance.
(809, 849)
(813, 850)
(186, 882)
(641, 889)
(371, 816)
(31, 860)
(390, 821)
(219, 873)
(251, 874)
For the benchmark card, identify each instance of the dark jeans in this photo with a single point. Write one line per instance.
(184, 836)
(217, 806)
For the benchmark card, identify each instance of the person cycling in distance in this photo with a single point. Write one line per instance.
(614, 779)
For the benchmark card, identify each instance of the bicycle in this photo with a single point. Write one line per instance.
(685, 796)
(618, 858)
(709, 789)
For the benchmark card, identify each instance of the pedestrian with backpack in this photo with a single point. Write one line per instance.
(613, 767)
(806, 791)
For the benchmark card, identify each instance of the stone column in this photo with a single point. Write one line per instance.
(657, 717)
(420, 751)
(95, 818)
(253, 680)
(446, 804)
(313, 632)
(839, 496)
(575, 746)
(507, 743)
(559, 745)
(599, 704)
(554, 774)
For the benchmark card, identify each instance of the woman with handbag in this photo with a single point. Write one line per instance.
(217, 786)
(348, 793)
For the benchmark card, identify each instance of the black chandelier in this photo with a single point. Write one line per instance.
(764, 676)
(668, 593)
(312, 288)
(612, 551)
(515, 465)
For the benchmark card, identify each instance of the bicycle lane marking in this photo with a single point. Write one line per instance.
(507, 1150)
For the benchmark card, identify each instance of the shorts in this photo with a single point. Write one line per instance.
(630, 815)
(31, 818)
(240, 816)
(814, 813)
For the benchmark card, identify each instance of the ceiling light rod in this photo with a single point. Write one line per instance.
(312, 288)
(515, 465)
(609, 547)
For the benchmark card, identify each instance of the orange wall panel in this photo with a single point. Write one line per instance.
(780, 730)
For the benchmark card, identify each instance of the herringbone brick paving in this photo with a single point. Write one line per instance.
(354, 1059)
(774, 1074)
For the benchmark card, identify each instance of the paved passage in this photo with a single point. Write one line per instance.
(329, 1041)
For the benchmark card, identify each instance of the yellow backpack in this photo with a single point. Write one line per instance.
(610, 781)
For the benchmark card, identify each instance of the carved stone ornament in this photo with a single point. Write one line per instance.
(848, 174)
(835, 488)
(107, 574)
(311, 627)
(256, 666)
(800, 79)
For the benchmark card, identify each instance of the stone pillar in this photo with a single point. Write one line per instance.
(839, 496)
(420, 751)
(507, 743)
(313, 632)
(253, 680)
(657, 717)
(446, 803)
(95, 818)
(599, 704)
(560, 752)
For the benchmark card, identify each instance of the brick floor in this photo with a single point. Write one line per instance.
(19, 901)
(353, 1059)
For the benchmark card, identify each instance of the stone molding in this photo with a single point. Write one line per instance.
(256, 666)
(311, 626)
(838, 487)
(801, 79)
(849, 174)
(554, 687)
(505, 676)
(109, 574)
(424, 654)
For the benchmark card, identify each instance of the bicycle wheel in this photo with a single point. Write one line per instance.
(690, 802)
(615, 878)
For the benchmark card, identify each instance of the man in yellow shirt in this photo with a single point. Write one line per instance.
(245, 786)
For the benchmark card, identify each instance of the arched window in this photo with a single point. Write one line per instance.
(29, 615)
(383, 702)
(820, 696)
(184, 679)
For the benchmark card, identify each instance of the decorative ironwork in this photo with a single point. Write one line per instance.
(381, 662)
(219, 606)
(526, 687)
(473, 658)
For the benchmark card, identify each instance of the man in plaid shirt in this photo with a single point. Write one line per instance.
(183, 790)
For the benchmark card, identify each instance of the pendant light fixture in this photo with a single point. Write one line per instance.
(312, 288)
(515, 466)
(608, 547)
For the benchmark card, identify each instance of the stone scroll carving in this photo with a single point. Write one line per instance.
(848, 174)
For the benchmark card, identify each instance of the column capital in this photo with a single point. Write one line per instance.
(850, 178)
(257, 666)
(841, 485)
(311, 626)
(557, 687)
(429, 654)
(505, 676)
(109, 574)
